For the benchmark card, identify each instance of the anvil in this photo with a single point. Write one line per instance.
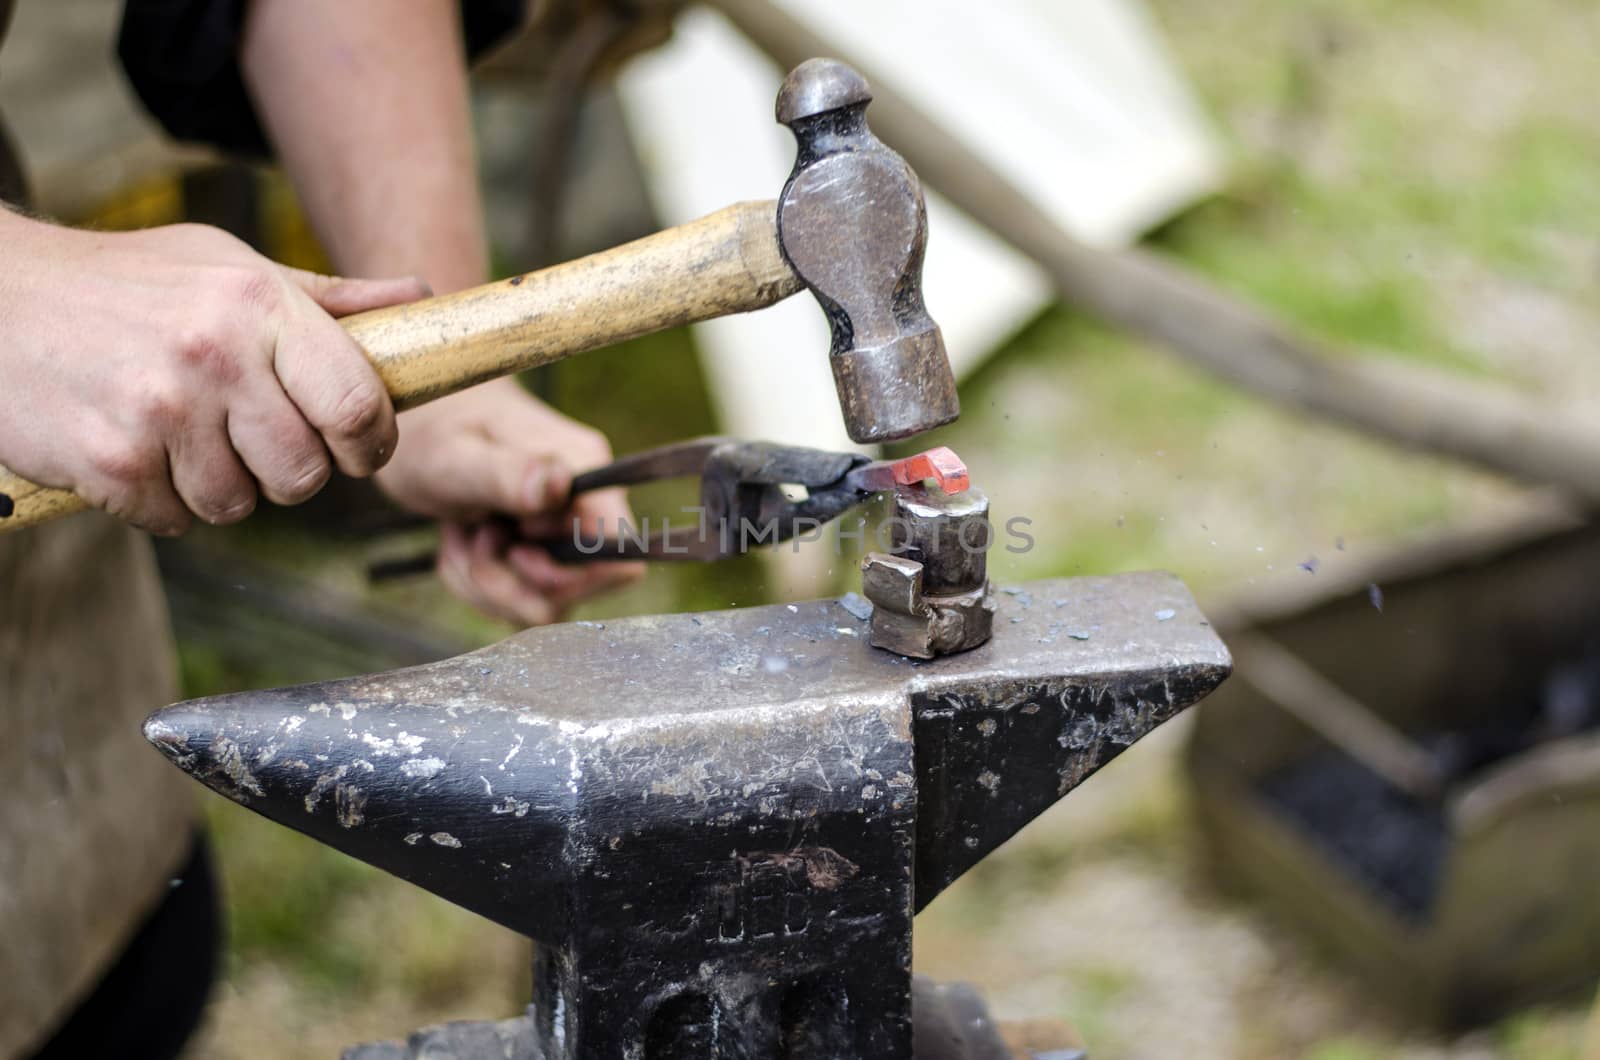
(716, 826)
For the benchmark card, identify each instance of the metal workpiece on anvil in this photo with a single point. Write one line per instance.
(715, 824)
(931, 594)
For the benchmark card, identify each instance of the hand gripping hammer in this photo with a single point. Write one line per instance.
(850, 225)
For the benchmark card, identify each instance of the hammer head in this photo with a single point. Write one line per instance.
(853, 225)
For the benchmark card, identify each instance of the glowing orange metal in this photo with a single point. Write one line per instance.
(940, 464)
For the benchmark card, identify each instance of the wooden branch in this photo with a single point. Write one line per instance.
(1167, 304)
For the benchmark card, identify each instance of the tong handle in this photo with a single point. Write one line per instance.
(651, 465)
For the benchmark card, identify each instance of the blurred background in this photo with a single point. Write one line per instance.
(1413, 184)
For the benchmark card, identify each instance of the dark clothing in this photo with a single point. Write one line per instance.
(182, 58)
(11, 185)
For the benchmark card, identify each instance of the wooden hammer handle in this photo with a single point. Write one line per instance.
(727, 262)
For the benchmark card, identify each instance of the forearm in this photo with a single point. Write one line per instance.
(366, 103)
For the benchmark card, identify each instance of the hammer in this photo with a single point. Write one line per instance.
(850, 225)
(717, 826)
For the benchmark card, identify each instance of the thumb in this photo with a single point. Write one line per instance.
(467, 477)
(340, 297)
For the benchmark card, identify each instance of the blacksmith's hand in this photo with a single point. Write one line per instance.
(174, 373)
(497, 450)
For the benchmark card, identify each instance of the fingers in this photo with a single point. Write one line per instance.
(591, 515)
(495, 450)
(473, 567)
(339, 297)
(518, 581)
(477, 454)
(597, 514)
(277, 445)
(468, 476)
(217, 377)
(134, 484)
(336, 389)
(209, 477)
(564, 585)
(154, 509)
(247, 428)
(162, 491)
(328, 377)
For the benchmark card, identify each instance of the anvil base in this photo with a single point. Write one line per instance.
(951, 1022)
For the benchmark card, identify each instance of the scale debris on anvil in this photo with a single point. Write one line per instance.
(718, 820)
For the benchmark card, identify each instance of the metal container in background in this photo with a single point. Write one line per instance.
(1439, 637)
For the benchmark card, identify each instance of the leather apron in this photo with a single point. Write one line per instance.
(93, 822)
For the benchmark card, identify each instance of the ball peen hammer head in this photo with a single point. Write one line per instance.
(853, 225)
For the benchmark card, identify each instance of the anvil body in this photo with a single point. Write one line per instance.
(718, 826)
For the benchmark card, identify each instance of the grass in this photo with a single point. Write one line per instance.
(271, 922)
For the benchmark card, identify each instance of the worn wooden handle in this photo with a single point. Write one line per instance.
(727, 262)
(22, 503)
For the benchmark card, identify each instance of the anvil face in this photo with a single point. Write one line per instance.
(719, 824)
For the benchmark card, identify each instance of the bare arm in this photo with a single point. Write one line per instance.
(366, 102)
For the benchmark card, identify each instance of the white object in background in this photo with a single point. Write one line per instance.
(1076, 103)
(1073, 102)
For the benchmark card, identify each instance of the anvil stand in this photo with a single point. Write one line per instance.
(717, 827)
